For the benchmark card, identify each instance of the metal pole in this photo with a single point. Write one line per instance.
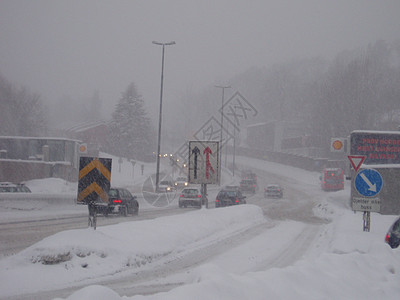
(222, 122)
(234, 148)
(160, 114)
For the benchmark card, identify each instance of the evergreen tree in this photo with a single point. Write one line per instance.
(21, 113)
(130, 126)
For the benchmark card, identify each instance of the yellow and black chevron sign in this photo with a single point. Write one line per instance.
(94, 179)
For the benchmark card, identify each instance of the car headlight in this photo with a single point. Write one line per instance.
(186, 183)
(168, 188)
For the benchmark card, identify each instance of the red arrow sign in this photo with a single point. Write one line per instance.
(209, 167)
(356, 161)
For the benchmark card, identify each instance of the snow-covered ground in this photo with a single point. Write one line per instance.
(342, 261)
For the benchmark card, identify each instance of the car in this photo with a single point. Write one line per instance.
(8, 187)
(227, 197)
(248, 185)
(249, 175)
(190, 197)
(273, 191)
(393, 235)
(181, 182)
(165, 186)
(120, 201)
(232, 187)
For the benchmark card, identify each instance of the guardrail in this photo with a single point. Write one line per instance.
(294, 160)
(49, 198)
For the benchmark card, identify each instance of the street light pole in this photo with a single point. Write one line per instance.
(160, 115)
(222, 119)
(234, 147)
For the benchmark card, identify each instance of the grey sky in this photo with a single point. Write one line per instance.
(74, 47)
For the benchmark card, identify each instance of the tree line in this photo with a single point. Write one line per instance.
(357, 90)
(23, 113)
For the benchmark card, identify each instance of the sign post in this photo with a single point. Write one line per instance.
(204, 165)
(368, 184)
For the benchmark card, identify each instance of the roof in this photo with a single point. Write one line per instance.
(86, 125)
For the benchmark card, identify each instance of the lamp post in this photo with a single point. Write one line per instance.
(160, 115)
(222, 118)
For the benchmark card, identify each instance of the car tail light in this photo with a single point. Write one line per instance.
(237, 200)
(117, 201)
(181, 196)
(216, 200)
(199, 196)
(387, 237)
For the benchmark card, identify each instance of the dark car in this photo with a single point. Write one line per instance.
(227, 197)
(248, 185)
(190, 197)
(121, 202)
(393, 234)
(273, 191)
(249, 175)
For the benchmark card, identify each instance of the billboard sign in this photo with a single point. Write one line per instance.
(379, 147)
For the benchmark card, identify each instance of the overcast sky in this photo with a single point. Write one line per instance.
(75, 47)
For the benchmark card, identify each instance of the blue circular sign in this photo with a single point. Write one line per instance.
(368, 182)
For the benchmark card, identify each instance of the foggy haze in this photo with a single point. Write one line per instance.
(72, 49)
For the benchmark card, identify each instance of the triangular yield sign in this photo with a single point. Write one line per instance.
(356, 161)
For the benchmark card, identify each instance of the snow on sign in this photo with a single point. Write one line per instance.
(203, 162)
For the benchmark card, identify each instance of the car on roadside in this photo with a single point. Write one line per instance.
(273, 191)
(165, 186)
(120, 201)
(228, 197)
(393, 235)
(248, 185)
(190, 197)
(181, 182)
(9, 187)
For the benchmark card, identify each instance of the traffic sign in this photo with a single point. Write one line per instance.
(94, 179)
(337, 144)
(368, 182)
(203, 162)
(356, 161)
(83, 148)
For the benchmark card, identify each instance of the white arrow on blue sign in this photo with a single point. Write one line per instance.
(368, 182)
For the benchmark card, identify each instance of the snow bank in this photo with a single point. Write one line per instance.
(74, 256)
(350, 264)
